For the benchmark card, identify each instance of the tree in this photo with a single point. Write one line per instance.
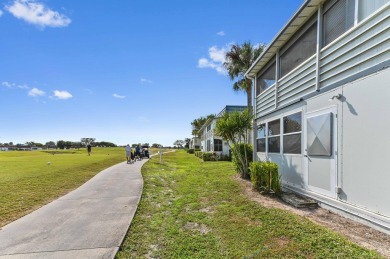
(179, 143)
(86, 141)
(155, 145)
(187, 142)
(61, 144)
(198, 123)
(238, 60)
(233, 127)
(50, 144)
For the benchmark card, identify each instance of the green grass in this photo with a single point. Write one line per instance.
(193, 209)
(28, 182)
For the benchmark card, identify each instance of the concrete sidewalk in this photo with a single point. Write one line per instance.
(89, 222)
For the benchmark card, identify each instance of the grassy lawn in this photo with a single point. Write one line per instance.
(28, 182)
(193, 209)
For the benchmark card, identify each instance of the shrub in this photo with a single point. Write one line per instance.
(249, 157)
(213, 156)
(199, 154)
(257, 178)
(209, 156)
(265, 177)
(191, 151)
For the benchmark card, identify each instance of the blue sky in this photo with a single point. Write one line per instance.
(122, 71)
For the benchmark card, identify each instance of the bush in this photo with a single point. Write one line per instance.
(212, 156)
(265, 177)
(199, 154)
(249, 156)
(257, 178)
(191, 151)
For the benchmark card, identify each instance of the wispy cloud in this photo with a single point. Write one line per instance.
(36, 13)
(119, 96)
(215, 60)
(13, 85)
(1, 13)
(144, 80)
(36, 92)
(62, 95)
(221, 33)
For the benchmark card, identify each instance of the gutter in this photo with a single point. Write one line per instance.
(254, 115)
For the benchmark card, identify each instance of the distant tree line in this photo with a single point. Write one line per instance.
(62, 144)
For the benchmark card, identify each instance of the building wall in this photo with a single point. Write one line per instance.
(361, 148)
(365, 143)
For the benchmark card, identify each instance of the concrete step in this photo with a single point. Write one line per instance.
(298, 200)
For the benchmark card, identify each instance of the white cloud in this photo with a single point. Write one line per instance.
(13, 85)
(63, 95)
(221, 33)
(215, 61)
(36, 92)
(144, 80)
(119, 96)
(1, 13)
(37, 13)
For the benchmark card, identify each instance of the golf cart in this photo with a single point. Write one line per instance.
(145, 151)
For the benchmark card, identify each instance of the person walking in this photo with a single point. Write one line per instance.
(128, 154)
(89, 148)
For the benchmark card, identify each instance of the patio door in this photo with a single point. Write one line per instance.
(320, 156)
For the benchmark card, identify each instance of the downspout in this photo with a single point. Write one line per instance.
(254, 115)
(319, 44)
(277, 69)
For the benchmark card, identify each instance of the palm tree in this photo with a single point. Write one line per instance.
(233, 127)
(238, 60)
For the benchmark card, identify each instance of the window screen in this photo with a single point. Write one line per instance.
(265, 79)
(261, 135)
(292, 133)
(298, 50)
(217, 145)
(274, 136)
(367, 7)
(338, 18)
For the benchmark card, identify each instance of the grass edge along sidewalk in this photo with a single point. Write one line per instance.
(31, 179)
(195, 209)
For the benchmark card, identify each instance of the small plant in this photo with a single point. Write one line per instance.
(265, 177)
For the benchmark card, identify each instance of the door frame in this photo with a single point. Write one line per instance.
(333, 163)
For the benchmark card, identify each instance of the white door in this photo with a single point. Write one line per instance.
(320, 156)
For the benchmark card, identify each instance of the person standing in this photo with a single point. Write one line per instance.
(138, 152)
(89, 148)
(128, 153)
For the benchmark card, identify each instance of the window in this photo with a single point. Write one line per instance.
(217, 145)
(299, 48)
(338, 17)
(367, 7)
(261, 135)
(266, 78)
(292, 132)
(208, 146)
(208, 128)
(274, 136)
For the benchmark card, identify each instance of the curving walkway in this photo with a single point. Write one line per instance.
(89, 222)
